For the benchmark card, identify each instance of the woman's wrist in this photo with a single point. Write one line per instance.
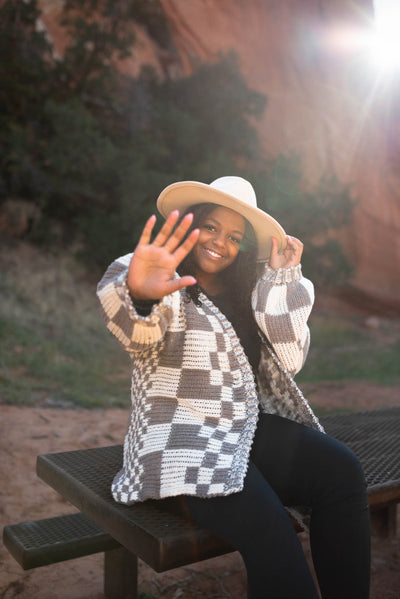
(282, 275)
(142, 306)
(143, 303)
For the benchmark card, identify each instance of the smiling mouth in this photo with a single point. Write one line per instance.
(213, 254)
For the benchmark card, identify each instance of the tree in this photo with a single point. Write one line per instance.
(25, 71)
(92, 149)
(311, 214)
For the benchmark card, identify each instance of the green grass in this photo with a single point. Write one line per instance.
(342, 348)
(56, 351)
(36, 368)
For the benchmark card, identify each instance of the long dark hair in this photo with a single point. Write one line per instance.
(240, 276)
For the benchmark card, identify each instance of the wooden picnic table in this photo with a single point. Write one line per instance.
(84, 477)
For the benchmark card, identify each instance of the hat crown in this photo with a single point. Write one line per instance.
(229, 192)
(237, 187)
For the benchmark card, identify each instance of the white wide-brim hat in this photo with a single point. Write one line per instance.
(231, 192)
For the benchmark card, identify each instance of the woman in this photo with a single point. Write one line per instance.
(217, 418)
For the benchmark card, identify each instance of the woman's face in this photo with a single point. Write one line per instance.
(221, 233)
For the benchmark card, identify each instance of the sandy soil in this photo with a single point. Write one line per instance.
(27, 432)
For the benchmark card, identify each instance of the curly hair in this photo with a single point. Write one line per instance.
(241, 275)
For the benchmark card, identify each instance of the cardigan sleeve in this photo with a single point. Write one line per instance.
(134, 332)
(282, 301)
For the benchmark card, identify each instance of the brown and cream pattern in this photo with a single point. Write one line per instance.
(194, 399)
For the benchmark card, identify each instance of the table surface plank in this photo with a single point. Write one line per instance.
(374, 436)
(150, 529)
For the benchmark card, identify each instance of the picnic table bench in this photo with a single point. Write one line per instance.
(157, 531)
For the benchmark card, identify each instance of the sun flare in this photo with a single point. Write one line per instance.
(384, 43)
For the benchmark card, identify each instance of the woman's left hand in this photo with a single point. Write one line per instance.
(290, 256)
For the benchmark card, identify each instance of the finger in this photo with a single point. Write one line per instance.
(295, 248)
(297, 245)
(274, 249)
(293, 239)
(294, 242)
(166, 229)
(183, 250)
(147, 230)
(179, 233)
(291, 246)
(177, 284)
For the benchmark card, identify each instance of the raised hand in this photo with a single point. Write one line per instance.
(153, 264)
(290, 256)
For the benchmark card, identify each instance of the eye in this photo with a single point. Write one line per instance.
(235, 240)
(209, 227)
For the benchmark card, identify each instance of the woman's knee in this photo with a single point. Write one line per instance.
(349, 467)
(344, 481)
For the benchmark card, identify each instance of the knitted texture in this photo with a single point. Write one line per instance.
(194, 400)
(282, 302)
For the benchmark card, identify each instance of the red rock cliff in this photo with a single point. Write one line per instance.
(324, 101)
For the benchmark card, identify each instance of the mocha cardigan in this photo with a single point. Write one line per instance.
(195, 401)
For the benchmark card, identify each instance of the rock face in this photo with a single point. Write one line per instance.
(325, 102)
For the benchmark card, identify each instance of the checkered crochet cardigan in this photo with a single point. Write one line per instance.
(195, 402)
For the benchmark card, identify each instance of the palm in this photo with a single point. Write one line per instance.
(153, 269)
(153, 265)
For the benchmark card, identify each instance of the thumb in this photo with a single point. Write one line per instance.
(177, 284)
(274, 249)
(274, 260)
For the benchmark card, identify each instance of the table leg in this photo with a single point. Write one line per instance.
(120, 574)
(383, 521)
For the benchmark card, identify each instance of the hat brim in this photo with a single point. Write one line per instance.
(184, 194)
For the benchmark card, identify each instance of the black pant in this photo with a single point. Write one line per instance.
(291, 464)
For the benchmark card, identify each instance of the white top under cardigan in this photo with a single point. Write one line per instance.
(194, 400)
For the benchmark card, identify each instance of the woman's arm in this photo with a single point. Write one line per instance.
(282, 302)
(133, 331)
(147, 274)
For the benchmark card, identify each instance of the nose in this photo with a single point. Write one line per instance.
(219, 239)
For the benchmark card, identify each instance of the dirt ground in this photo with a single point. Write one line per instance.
(27, 432)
